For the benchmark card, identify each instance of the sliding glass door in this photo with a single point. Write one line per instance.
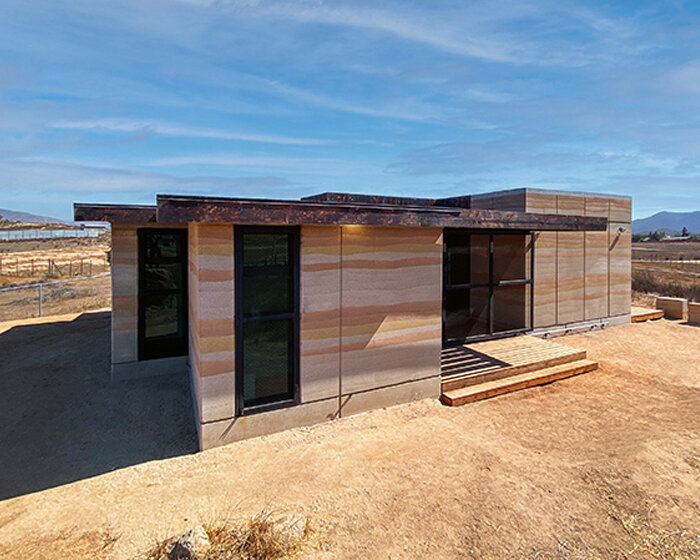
(487, 284)
(267, 317)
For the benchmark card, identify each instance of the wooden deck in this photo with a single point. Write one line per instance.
(641, 314)
(484, 369)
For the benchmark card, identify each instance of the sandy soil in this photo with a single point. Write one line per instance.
(535, 474)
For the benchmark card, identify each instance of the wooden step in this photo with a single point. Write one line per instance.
(641, 314)
(490, 389)
(458, 381)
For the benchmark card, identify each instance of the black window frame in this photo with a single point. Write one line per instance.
(150, 349)
(491, 284)
(240, 320)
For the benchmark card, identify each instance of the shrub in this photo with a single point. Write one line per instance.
(644, 281)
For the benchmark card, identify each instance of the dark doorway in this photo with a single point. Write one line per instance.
(267, 317)
(487, 284)
(162, 299)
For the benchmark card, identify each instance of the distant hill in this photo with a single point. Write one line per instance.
(668, 222)
(14, 216)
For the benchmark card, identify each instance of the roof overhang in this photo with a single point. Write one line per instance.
(113, 213)
(182, 209)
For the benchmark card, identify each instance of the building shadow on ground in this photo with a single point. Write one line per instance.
(61, 419)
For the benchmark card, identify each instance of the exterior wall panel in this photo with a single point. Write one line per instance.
(596, 275)
(545, 279)
(391, 323)
(514, 200)
(124, 294)
(320, 312)
(620, 247)
(212, 360)
(570, 264)
(597, 261)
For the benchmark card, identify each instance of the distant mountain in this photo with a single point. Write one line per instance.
(15, 216)
(668, 222)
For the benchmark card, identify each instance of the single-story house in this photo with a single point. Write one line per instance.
(286, 313)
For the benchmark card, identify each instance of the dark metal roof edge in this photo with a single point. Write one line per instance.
(84, 212)
(176, 208)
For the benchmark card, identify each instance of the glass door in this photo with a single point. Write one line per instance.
(487, 284)
(267, 317)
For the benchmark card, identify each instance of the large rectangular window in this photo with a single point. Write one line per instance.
(267, 317)
(162, 295)
(487, 283)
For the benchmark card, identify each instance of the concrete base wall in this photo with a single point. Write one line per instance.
(388, 396)
(149, 368)
(213, 434)
(581, 326)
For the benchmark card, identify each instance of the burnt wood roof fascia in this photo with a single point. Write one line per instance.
(114, 213)
(173, 209)
(376, 200)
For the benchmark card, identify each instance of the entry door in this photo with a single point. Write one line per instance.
(487, 284)
(267, 317)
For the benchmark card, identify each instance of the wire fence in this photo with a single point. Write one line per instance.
(53, 267)
(21, 234)
(40, 299)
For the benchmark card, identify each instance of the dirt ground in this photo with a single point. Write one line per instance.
(666, 250)
(601, 465)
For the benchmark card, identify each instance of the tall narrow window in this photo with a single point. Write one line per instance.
(267, 317)
(162, 300)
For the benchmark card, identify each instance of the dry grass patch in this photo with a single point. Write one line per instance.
(668, 284)
(262, 537)
(640, 538)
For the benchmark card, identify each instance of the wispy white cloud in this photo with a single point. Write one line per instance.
(471, 30)
(402, 109)
(308, 165)
(47, 177)
(164, 129)
(428, 30)
(684, 78)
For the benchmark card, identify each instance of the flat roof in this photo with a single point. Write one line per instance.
(334, 209)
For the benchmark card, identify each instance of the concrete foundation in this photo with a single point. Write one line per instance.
(149, 368)
(213, 434)
(388, 396)
(582, 326)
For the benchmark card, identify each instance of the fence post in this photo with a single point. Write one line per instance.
(41, 297)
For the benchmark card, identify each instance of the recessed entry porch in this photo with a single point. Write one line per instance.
(487, 313)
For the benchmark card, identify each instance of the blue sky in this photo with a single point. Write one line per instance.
(116, 101)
